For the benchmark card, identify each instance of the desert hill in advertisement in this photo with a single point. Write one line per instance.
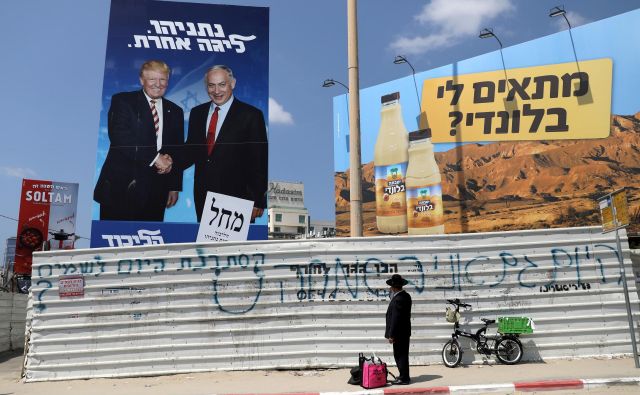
(522, 185)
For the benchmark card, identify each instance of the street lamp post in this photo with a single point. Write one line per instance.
(328, 83)
(560, 11)
(400, 59)
(486, 33)
(355, 160)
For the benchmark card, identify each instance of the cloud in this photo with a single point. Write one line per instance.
(277, 113)
(451, 22)
(574, 18)
(17, 172)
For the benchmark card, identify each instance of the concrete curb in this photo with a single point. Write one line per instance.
(511, 388)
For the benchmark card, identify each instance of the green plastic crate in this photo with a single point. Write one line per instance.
(515, 325)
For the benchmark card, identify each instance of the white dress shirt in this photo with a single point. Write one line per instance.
(159, 136)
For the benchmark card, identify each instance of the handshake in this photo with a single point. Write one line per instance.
(163, 163)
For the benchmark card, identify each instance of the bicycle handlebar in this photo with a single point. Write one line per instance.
(458, 303)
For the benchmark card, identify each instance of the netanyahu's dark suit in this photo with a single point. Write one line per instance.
(238, 163)
(399, 328)
(129, 187)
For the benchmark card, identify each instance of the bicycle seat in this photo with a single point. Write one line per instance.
(487, 321)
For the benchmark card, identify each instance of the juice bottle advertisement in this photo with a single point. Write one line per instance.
(390, 161)
(425, 212)
(405, 160)
(507, 164)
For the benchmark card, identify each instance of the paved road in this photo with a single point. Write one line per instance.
(627, 390)
(332, 380)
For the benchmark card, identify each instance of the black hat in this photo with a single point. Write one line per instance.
(397, 281)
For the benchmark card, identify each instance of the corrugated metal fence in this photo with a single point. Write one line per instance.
(13, 309)
(317, 303)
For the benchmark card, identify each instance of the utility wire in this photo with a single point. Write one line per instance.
(51, 229)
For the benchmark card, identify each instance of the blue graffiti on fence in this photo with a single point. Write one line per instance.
(346, 277)
(254, 264)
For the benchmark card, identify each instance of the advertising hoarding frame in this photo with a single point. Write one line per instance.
(190, 38)
(474, 174)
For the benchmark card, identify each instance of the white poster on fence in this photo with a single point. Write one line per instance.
(224, 218)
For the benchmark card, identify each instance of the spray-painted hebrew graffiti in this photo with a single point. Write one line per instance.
(239, 281)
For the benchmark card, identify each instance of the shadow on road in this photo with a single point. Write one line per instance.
(425, 377)
(7, 355)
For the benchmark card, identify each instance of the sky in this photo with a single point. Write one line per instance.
(52, 66)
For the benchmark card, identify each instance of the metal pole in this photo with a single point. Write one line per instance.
(355, 174)
(632, 331)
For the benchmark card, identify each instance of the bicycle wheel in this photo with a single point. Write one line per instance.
(509, 350)
(451, 354)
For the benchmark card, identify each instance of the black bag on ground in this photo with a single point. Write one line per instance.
(356, 372)
(356, 376)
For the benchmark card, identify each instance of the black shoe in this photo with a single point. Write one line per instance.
(400, 382)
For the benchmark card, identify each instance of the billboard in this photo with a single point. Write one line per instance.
(47, 216)
(486, 148)
(172, 127)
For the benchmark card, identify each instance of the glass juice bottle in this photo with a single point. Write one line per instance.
(390, 161)
(425, 214)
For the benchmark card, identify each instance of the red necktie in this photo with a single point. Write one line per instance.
(211, 134)
(156, 119)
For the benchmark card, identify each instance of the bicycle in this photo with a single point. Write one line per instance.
(505, 346)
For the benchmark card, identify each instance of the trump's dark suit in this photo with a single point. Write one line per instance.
(398, 328)
(128, 187)
(238, 163)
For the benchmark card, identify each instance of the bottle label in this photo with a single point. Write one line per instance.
(391, 197)
(424, 206)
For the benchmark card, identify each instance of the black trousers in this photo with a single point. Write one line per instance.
(132, 209)
(401, 355)
(132, 212)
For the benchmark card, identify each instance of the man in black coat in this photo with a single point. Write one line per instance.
(398, 330)
(227, 142)
(146, 131)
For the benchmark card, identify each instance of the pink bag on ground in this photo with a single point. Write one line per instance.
(374, 375)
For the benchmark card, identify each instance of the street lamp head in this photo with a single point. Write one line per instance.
(557, 11)
(486, 33)
(328, 83)
(399, 59)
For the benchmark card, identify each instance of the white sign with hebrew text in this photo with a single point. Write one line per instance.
(224, 218)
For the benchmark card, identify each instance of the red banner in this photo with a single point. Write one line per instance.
(47, 216)
(33, 222)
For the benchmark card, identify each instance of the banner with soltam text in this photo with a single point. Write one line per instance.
(47, 215)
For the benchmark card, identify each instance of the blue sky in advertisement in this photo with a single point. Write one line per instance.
(54, 57)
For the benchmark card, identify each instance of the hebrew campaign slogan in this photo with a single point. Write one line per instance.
(552, 102)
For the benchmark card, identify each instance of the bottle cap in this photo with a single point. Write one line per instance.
(420, 134)
(390, 97)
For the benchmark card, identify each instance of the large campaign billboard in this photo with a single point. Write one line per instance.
(184, 110)
(486, 147)
(47, 220)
